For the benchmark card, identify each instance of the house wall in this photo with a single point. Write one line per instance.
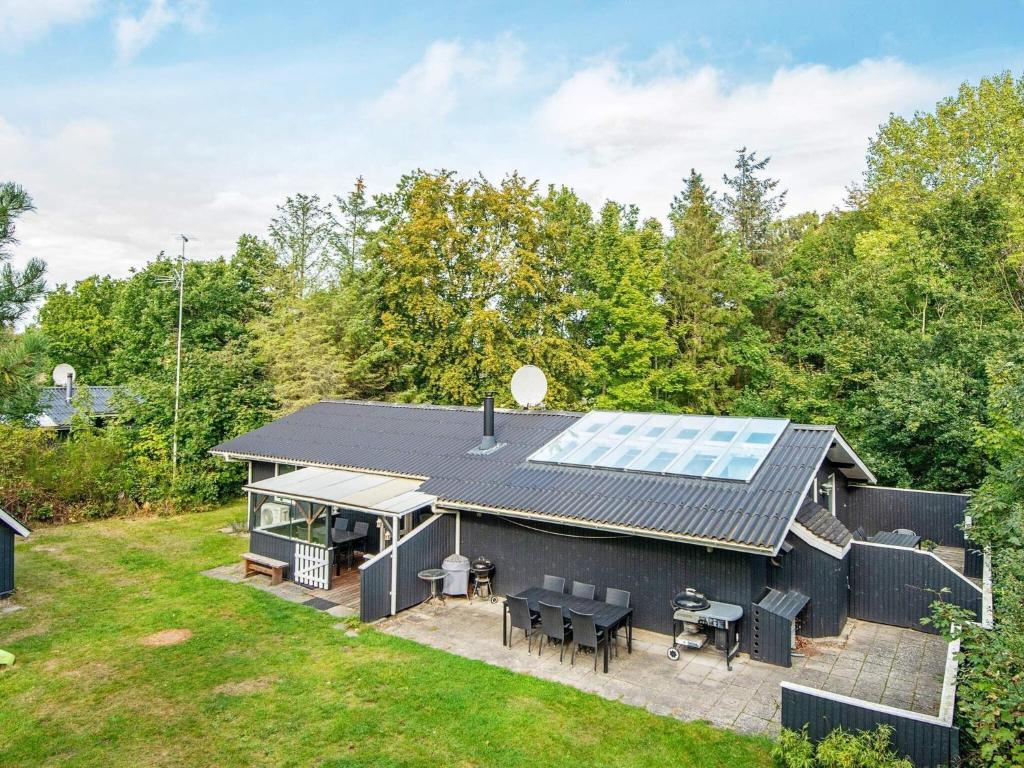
(823, 578)
(653, 570)
(925, 740)
(897, 586)
(842, 488)
(6, 560)
(931, 515)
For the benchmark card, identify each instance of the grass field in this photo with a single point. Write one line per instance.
(265, 682)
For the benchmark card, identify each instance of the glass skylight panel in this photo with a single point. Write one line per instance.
(571, 439)
(745, 454)
(700, 446)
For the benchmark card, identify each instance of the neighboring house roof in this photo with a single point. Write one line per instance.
(56, 411)
(820, 528)
(13, 524)
(436, 443)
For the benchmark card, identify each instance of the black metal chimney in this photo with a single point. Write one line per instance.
(488, 441)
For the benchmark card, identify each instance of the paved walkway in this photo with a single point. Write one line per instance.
(870, 661)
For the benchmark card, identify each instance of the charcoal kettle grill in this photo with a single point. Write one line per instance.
(695, 620)
(483, 572)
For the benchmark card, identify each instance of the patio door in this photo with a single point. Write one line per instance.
(312, 566)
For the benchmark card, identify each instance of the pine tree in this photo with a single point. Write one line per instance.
(709, 284)
(354, 217)
(22, 355)
(752, 206)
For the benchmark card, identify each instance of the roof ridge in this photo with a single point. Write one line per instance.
(442, 407)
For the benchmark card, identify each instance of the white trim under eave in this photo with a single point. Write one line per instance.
(853, 455)
(321, 465)
(805, 534)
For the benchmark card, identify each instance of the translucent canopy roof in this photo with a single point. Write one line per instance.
(718, 447)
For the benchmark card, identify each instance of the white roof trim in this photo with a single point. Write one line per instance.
(807, 535)
(14, 525)
(378, 494)
(860, 465)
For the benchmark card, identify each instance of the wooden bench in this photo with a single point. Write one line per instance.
(266, 565)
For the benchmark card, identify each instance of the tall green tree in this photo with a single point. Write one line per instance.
(355, 217)
(22, 355)
(752, 205)
(82, 327)
(709, 289)
(631, 352)
(303, 234)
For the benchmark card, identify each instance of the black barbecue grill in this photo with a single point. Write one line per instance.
(695, 620)
(483, 574)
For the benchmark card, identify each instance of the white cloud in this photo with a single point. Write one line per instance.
(22, 21)
(132, 34)
(430, 89)
(120, 163)
(636, 138)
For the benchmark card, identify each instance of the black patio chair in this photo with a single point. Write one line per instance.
(579, 589)
(553, 626)
(585, 634)
(618, 597)
(341, 525)
(522, 618)
(361, 529)
(554, 583)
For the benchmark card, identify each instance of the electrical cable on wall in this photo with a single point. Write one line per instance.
(566, 535)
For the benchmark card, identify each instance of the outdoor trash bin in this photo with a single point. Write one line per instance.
(456, 579)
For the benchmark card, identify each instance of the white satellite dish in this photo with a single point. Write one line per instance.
(529, 386)
(61, 373)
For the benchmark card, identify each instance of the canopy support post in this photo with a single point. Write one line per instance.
(395, 533)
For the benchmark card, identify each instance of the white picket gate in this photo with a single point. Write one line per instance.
(312, 566)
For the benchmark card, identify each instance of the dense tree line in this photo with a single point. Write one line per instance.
(881, 316)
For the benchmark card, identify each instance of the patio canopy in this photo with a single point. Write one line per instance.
(377, 494)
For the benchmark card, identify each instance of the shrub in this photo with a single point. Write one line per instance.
(840, 749)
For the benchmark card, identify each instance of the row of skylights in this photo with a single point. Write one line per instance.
(696, 446)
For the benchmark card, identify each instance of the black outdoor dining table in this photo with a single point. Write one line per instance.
(909, 540)
(606, 616)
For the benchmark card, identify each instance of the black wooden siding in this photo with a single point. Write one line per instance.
(770, 638)
(652, 570)
(925, 741)
(974, 562)
(426, 549)
(824, 579)
(375, 589)
(895, 585)
(275, 547)
(262, 470)
(6, 560)
(935, 516)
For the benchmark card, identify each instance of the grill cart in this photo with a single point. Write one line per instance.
(695, 620)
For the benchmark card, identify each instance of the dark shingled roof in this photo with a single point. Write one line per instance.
(434, 442)
(823, 523)
(54, 406)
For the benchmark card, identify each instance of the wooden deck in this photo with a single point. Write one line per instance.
(344, 588)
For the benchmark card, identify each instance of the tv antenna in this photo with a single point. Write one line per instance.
(177, 279)
(529, 386)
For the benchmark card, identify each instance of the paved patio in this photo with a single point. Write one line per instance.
(899, 667)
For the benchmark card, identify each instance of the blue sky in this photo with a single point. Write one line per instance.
(131, 121)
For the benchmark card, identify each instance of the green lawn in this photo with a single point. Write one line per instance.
(269, 683)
